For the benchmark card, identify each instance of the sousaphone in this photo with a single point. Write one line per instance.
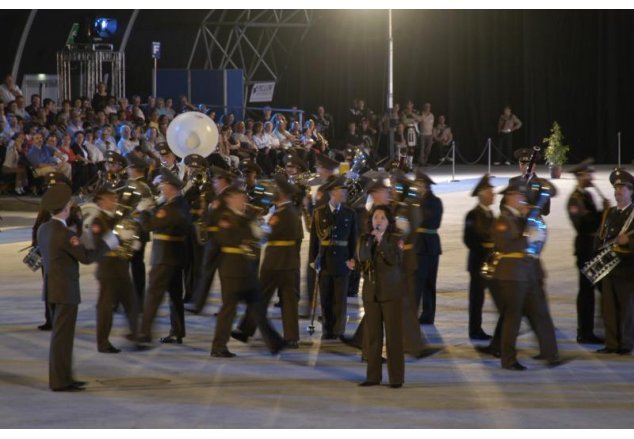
(192, 133)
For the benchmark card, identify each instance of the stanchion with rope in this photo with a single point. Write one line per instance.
(453, 162)
(489, 158)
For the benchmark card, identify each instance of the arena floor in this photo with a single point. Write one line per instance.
(172, 386)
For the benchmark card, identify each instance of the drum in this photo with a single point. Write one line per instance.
(601, 265)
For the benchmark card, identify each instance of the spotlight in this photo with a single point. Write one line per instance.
(105, 27)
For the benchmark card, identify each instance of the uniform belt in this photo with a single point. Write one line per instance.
(488, 244)
(514, 255)
(162, 237)
(334, 243)
(427, 231)
(112, 254)
(281, 243)
(622, 251)
(233, 250)
(408, 246)
(213, 228)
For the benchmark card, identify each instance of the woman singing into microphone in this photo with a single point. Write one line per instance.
(380, 254)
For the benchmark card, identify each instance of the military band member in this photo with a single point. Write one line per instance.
(197, 192)
(618, 286)
(518, 280)
(114, 178)
(169, 162)
(477, 237)
(280, 265)
(251, 171)
(325, 167)
(169, 223)
(380, 256)
(428, 249)
(61, 253)
(523, 155)
(332, 245)
(221, 181)
(238, 275)
(113, 275)
(586, 218)
(137, 168)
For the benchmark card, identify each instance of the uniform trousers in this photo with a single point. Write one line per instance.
(618, 312)
(209, 265)
(137, 266)
(476, 301)
(113, 290)
(60, 367)
(165, 278)
(585, 302)
(514, 300)
(285, 283)
(414, 340)
(426, 286)
(193, 270)
(334, 301)
(380, 315)
(234, 291)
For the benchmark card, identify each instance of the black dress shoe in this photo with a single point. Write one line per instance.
(171, 339)
(368, 384)
(480, 336)
(329, 337)
(109, 350)
(489, 350)
(426, 321)
(606, 351)
(515, 366)
(592, 339)
(396, 385)
(427, 352)
(79, 383)
(539, 357)
(222, 354)
(240, 336)
(624, 351)
(69, 388)
(45, 327)
(193, 309)
(291, 344)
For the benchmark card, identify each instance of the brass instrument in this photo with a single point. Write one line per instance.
(354, 187)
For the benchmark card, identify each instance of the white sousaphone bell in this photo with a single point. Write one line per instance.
(192, 133)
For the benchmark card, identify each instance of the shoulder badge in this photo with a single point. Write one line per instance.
(161, 213)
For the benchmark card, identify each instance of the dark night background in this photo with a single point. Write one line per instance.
(571, 66)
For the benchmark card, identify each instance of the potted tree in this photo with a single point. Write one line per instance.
(556, 153)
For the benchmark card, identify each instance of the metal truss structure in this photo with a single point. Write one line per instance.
(258, 41)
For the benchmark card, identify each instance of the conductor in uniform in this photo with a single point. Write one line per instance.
(530, 178)
(332, 246)
(618, 286)
(169, 223)
(61, 254)
(586, 218)
(477, 238)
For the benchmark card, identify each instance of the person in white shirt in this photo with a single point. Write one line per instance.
(12, 165)
(106, 142)
(9, 90)
(94, 153)
(426, 127)
(126, 144)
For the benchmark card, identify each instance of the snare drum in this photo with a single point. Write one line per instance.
(601, 265)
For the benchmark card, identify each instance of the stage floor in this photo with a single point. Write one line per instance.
(172, 386)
